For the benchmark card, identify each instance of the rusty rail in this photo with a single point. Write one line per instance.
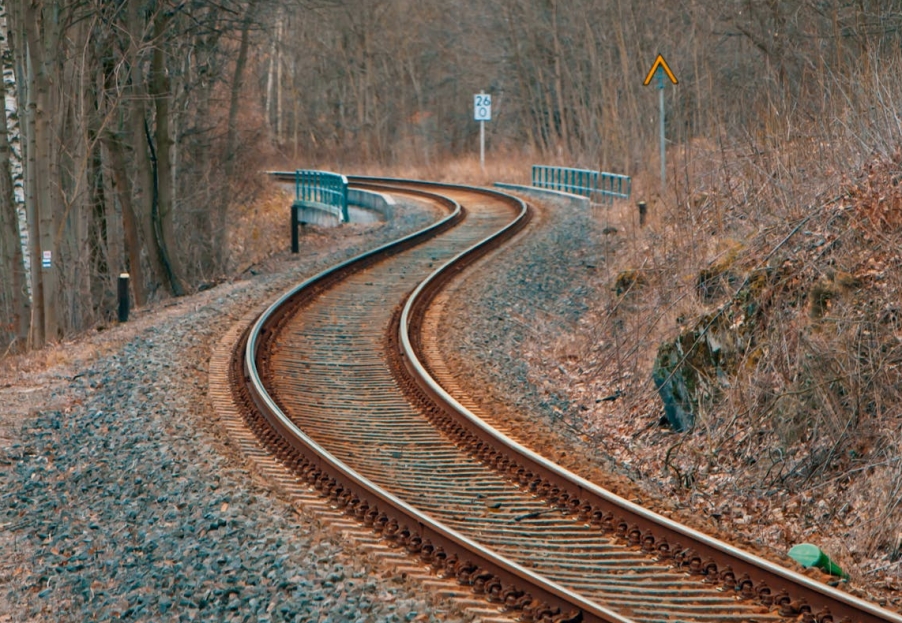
(501, 580)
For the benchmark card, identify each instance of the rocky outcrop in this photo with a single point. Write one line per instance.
(691, 369)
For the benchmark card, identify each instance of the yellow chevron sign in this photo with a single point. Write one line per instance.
(659, 62)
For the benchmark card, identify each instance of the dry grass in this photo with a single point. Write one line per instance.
(259, 228)
(505, 166)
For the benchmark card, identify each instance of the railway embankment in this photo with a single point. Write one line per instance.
(790, 340)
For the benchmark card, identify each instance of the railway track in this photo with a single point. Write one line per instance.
(336, 379)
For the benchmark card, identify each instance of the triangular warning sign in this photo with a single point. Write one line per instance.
(659, 62)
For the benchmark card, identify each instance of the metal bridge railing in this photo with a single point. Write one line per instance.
(329, 190)
(591, 184)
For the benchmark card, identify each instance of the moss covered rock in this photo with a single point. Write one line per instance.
(691, 369)
(718, 279)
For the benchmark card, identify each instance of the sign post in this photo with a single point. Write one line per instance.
(482, 112)
(660, 68)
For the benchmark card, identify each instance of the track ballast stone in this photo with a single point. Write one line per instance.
(130, 508)
(529, 294)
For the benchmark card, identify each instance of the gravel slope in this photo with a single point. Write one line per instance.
(505, 317)
(121, 500)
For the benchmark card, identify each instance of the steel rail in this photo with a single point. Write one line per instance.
(741, 572)
(654, 532)
(511, 575)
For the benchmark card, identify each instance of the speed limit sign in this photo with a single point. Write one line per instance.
(482, 107)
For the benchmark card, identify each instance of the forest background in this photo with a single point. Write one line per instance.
(135, 131)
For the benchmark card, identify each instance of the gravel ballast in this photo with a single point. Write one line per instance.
(121, 500)
(514, 309)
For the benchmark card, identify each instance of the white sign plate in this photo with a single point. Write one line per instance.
(46, 259)
(482, 107)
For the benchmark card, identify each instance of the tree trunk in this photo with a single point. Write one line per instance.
(13, 263)
(163, 214)
(25, 71)
(279, 124)
(563, 129)
(117, 187)
(42, 36)
(144, 176)
(82, 215)
(220, 238)
(129, 220)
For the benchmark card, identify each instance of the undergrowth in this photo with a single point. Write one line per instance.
(792, 283)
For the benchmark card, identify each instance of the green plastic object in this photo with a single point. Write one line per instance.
(809, 555)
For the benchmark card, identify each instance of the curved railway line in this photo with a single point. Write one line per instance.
(336, 378)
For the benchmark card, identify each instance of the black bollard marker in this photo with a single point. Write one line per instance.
(294, 228)
(123, 297)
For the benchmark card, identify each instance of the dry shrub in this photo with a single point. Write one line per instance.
(811, 411)
(259, 228)
(501, 165)
(817, 406)
(877, 198)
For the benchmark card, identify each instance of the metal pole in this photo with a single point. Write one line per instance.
(345, 215)
(295, 243)
(482, 145)
(661, 102)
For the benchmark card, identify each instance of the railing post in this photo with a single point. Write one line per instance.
(343, 184)
(295, 208)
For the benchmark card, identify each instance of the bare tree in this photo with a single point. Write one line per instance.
(12, 263)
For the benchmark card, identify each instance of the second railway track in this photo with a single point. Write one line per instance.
(338, 392)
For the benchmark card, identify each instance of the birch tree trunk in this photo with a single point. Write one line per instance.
(15, 287)
(25, 82)
(13, 263)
